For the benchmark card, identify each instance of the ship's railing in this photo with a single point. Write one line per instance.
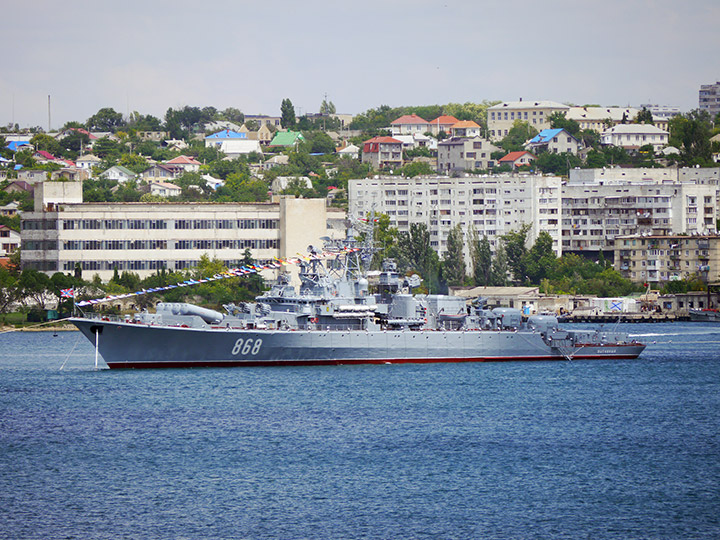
(104, 317)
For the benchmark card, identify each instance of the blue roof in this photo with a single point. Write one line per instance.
(227, 134)
(15, 145)
(545, 136)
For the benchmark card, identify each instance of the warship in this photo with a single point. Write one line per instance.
(336, 317)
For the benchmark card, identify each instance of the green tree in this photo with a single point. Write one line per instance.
(644, 116)
(134, 162)
(319, 142)
(287, 114)
(416, 168)
(514, 243)
(327, 107)
(540, 259)
(231, 114)
(385, 238)
(10, 292)
(74, 143)
(518, 135)
(415, 253)
(139, 122)
(500, 268)
(34, 285)
(559, 121)
(242, 188)
(106, 148)
(41, 141)
(691, 133)
(559, 164)
(106, 119)
(481, 255)
(453, 263)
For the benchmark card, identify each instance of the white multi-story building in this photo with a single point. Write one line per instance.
(502, 116)
(635, 136)
(492, 205)
(709, 98)
(659, 258)
(661, 111)
(463, 154)
(595, 213)
(143, 238)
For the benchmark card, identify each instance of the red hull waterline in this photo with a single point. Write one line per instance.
(284, 363)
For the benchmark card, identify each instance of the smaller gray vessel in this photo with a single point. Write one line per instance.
(333, 318)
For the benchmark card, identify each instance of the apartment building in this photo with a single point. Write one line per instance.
(460, 154)
(635, 136)
(709, 98)
(594, 214)
(660, 258)
(492, 205)
(661, 111)
(600, 118)
(143, 238)
(502, 116)
(382, 152)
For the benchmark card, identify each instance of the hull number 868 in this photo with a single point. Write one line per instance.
(247, 346)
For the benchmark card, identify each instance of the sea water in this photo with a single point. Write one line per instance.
(569, 449)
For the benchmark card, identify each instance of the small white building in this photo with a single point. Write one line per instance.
(555, 141)
(87, 162)
(118, 173)
(9, 240)
(634, 136)
(186, 163)
(232, 143)
(164, 189)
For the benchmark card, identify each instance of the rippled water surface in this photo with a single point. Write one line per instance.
(583, 449)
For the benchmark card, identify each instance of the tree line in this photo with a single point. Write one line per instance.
(31, 292)
(511, 263)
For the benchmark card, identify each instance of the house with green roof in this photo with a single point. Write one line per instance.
(287, 138)
(119, 173)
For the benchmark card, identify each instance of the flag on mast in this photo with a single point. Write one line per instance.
(67, 293)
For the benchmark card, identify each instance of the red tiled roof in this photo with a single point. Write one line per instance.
(465, 124)
(183, 160)
(514, 156)
(408, 119)
(84, 132)
(444, 120)
(45, 154)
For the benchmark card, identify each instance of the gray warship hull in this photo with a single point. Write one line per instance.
(133, 345)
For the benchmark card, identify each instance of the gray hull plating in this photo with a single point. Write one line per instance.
(129, 345)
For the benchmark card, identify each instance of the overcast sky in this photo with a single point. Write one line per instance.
(149, 55)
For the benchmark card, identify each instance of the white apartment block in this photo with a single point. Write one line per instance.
(463, 154)
(595, 213)
(656, 259)
(502, 116)
(493, 205)
(600, 118)
(143, 238)
(694, 175)
(709, 98)
(661, 111)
